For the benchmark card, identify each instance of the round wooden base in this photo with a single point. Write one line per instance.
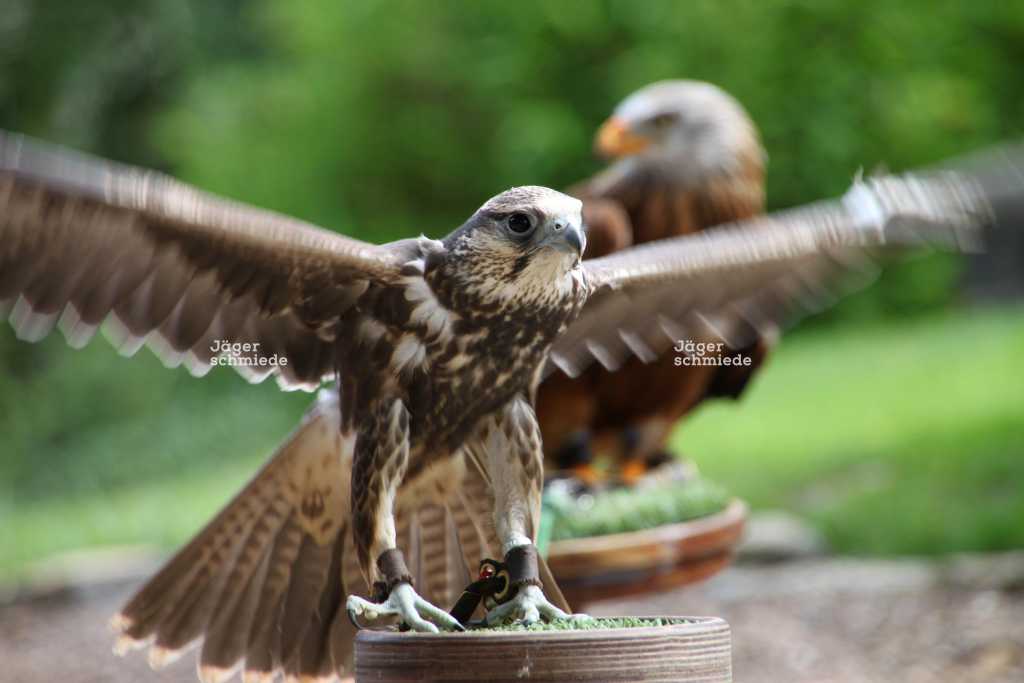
(698, 649)
(656, 559)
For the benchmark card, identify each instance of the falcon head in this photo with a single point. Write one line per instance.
(526, 242)
(685, 129)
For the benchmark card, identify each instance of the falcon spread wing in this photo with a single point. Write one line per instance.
(88, 241)
(739, 279)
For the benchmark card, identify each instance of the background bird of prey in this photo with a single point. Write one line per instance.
(428, 456)
(687, 157)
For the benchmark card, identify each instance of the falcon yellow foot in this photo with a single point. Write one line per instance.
(407, 605)
(529, 606)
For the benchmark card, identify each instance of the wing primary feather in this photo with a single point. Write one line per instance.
(602, 354)
(638, 346)
(29, 325)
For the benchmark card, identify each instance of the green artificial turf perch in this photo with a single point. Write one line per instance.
(622, 510)
(583, 624)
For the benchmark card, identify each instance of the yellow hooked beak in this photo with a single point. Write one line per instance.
(615, 139)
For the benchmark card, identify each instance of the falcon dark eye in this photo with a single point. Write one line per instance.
(520, 223)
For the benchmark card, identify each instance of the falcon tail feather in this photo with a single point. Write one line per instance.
(259, 590)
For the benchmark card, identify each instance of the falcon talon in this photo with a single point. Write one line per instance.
(353, 616)
(528, 606)
(407, 605)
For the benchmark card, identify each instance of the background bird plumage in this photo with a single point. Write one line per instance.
(685, 156)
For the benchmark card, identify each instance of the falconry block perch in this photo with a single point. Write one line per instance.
(687, 651)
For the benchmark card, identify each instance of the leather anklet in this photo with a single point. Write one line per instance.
(522, 566)
(391, 565)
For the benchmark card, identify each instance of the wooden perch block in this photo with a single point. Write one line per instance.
(699, 649)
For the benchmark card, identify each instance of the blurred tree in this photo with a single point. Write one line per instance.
(389, 118)
(93, 74)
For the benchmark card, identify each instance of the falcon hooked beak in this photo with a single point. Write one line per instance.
(565, 235)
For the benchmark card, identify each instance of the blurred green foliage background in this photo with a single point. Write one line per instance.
(385, 119)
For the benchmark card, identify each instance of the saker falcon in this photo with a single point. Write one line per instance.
(428, 457)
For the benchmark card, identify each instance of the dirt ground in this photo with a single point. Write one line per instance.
(821, 620)
(845, 621)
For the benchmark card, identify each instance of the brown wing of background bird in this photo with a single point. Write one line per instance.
(632, 410)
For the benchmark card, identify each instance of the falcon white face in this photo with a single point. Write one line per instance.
(525, 242)
(533, 218)
(685, 128)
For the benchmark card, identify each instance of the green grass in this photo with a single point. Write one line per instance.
(901, 438)
(97, 450)
(162, 513)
